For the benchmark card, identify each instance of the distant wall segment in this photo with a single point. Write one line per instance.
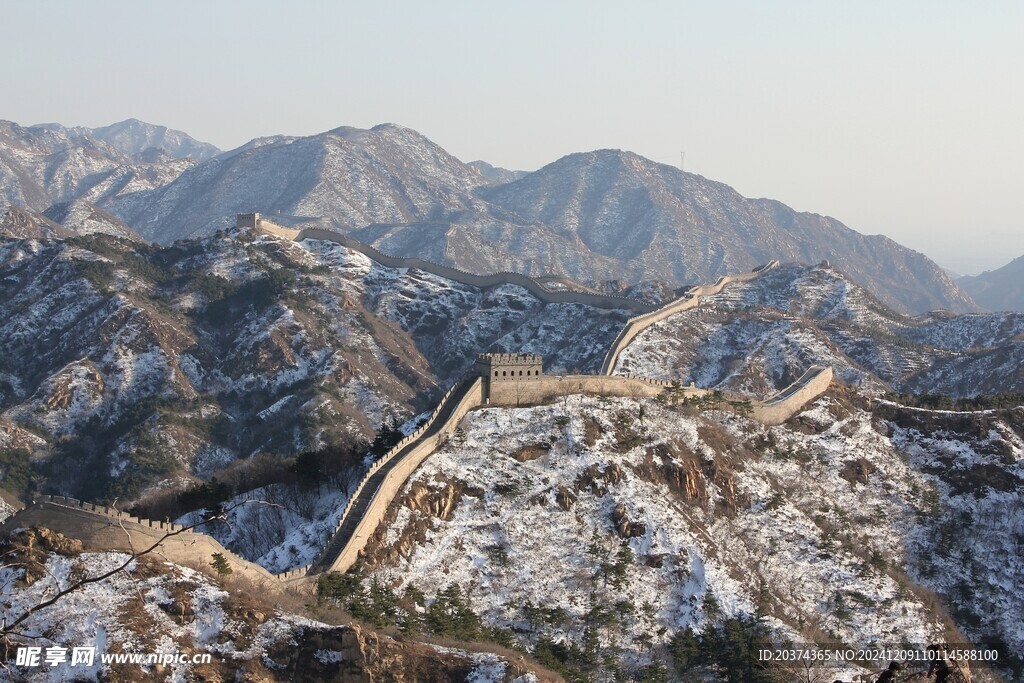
(550, 296)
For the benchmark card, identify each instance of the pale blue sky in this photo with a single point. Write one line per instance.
(902, 118)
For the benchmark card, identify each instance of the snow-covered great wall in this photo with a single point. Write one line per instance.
(690, 299)
(549, 296)
(104, 528)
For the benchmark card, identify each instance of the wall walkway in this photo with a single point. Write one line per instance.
(637, 324)
(378, 489)
(103, 528)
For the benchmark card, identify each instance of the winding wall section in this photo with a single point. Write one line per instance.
(104, 528)
(637, 324)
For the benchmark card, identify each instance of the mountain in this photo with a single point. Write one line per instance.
(140, 139)
(111, 351)
(23, 224)
(998, 290)
(610, 538)
(606, 534)
(661, 223)
(45, 165)
(84, 218)
(597, 217)
(354, 176)
(495, 174)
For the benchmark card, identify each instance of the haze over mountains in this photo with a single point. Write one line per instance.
(998, 290)
(595, 217)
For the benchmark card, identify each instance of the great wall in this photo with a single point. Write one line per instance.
(105, 528)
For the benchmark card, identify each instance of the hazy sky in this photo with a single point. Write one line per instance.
(902, 118)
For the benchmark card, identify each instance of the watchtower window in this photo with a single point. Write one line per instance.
(520, 373)
(528, 373)
(504, 373)
(495, 373)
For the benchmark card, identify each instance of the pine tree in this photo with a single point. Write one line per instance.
(220, 564)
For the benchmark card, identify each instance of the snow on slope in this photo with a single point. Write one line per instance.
(158, 607)
(759, 335)
(817, 525)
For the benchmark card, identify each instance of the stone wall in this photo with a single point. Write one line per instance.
(637, 324)
(102, 528)
(604, 301)
(550, 387)
(778, 408)
(396, 478)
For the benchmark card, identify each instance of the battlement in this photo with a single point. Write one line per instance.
(499, 359)
(506, 367)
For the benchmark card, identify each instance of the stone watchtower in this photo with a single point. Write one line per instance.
(503, 372)
(247, 220)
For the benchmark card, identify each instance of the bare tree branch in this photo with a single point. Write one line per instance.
(10, 628)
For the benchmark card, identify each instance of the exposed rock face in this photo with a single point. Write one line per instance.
(20, 223)
(623, 526)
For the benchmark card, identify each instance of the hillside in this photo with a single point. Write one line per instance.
(238, 629)
(385, 174)
(623, 535)
(123, 365)
(761, 334)
(45, 165)
(998, 290)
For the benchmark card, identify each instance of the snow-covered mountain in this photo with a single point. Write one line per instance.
(84, 218)
(606, 537)
(661, 223)
(998, 290)
(594, 217)
(388, 174)
(149, 142)
(757, 335)
(45, 165)
(495, 174)
(629, 535)
(124, 365)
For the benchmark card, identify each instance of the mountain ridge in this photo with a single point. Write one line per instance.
(1001, 289)
(594, 217)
